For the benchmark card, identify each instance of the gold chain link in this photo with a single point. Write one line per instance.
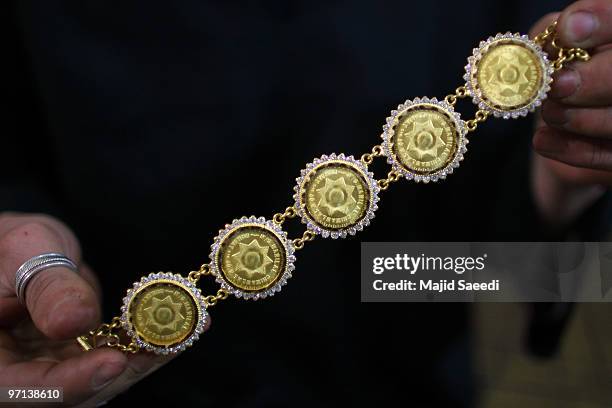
(308, 235)
(194, 276)
(368, 158)
(107, 332)
(481, 116)
(564, 55)
(279, 218)
(392, 177)
(460, 93)
(541, 38)
(212, 300)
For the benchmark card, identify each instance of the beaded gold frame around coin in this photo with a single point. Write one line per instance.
(424, 140)
(179, 283)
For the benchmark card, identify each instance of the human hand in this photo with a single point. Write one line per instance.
(573, 137)
(37, 342)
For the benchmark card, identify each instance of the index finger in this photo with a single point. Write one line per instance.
(586, 24)
(80, 376)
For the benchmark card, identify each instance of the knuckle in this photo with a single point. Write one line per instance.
(40, 233)
(593, 122)
(26, 234)
(600, 158)
(579, 121)
(595, 80)
(596, 124)
(605, 123)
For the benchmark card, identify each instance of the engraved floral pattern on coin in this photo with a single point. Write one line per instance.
(164, 313)
(252, 258)
(424, 139)
(508, 75)
(336, 195)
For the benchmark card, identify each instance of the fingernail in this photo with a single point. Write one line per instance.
(565, 84)
(106, 373)
(554, 114)
(580, 26)
(140, 364)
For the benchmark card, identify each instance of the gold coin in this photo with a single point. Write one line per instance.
(251, 258)
(336, 195)
(425, 139)
(509, 76)
(163, 313)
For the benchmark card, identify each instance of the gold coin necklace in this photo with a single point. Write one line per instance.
(424, 140)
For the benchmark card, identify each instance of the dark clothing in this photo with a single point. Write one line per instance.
(149, 125)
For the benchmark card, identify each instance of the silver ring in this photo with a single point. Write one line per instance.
(38, 264)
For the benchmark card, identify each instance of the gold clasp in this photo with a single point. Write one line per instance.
(105, 330)
(84, 343)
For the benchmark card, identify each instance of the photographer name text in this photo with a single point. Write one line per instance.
(422, 263)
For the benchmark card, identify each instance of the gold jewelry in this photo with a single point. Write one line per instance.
(252, 258)
(424, 140)
(336, 195)
(164, 311)
(508, 75)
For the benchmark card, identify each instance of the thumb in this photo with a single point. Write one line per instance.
(61, 303)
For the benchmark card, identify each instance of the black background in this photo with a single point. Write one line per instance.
(148, 125)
